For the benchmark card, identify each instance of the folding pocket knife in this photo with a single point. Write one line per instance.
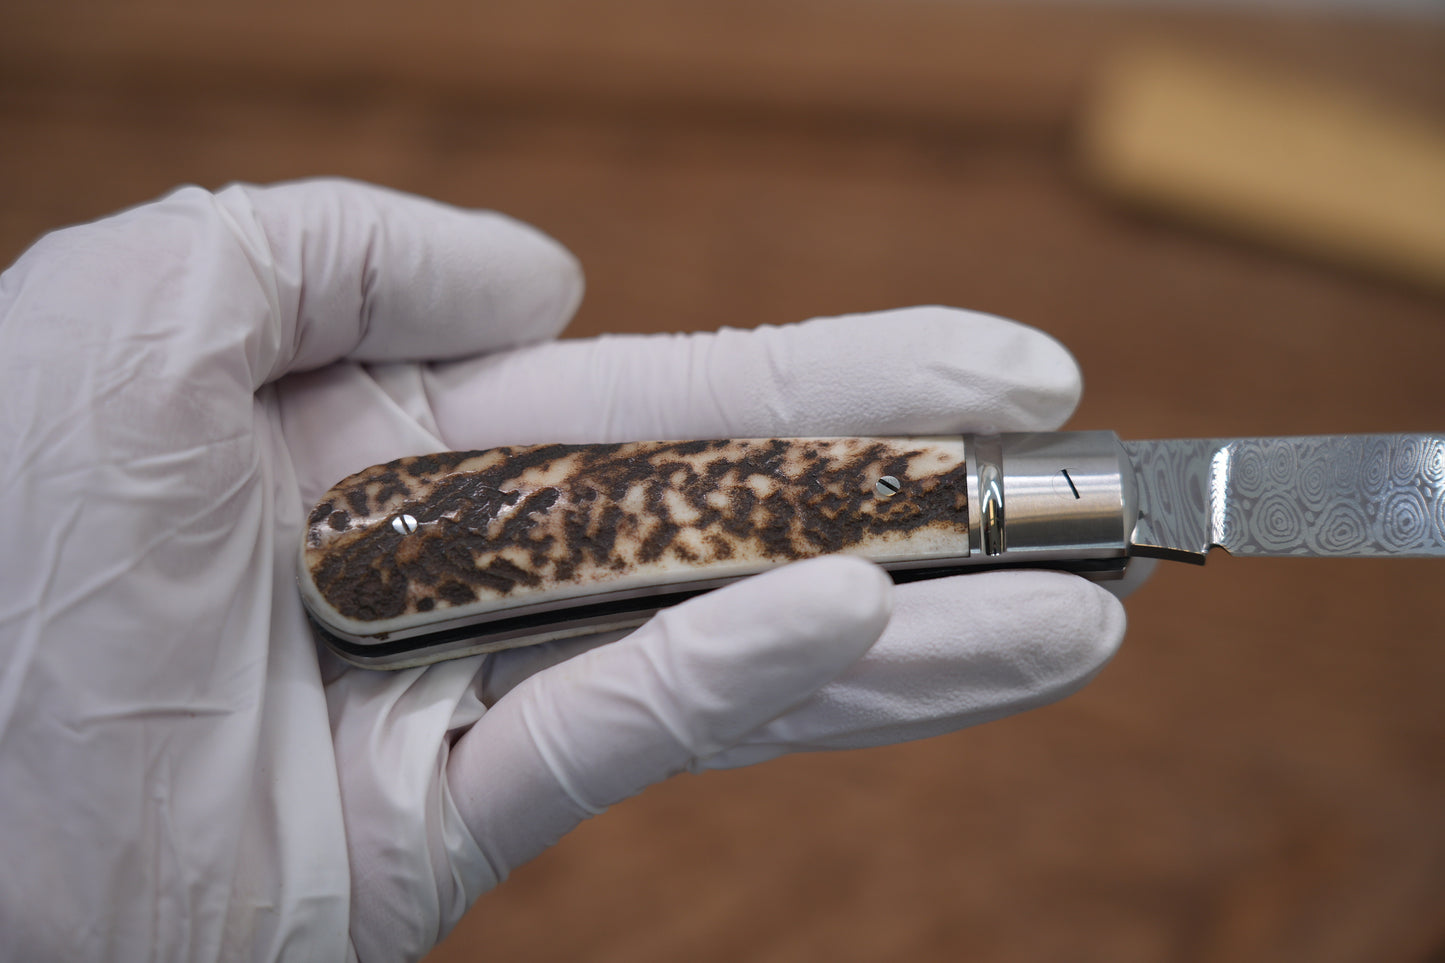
(446, 555)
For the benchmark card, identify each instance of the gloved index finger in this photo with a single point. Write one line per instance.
(360, 272)
(914, 371)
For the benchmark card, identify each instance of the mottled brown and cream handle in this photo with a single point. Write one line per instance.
(450, 554)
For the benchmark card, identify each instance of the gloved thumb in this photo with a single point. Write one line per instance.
(589, 732)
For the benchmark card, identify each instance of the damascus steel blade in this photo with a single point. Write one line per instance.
(1326, 495)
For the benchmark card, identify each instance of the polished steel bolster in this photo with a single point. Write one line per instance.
(1050, 497)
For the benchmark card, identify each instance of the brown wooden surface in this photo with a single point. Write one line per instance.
(1260, 774)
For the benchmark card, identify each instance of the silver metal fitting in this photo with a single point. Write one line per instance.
(1035, 497)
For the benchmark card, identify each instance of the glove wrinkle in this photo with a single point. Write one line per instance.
(541, 733)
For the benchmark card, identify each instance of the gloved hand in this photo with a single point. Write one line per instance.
(184, 776)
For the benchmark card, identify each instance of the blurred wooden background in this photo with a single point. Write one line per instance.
(1260, 775)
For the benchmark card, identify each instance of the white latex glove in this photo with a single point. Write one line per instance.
(184, 777)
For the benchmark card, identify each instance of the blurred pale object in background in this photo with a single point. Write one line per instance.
(1314, 167)
(1425, 9)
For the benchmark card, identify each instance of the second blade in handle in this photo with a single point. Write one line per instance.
(461, 538)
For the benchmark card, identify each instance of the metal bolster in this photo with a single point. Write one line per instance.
(1049, 496)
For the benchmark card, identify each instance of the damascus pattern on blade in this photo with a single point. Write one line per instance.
(517, 526)
(1329, 495)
